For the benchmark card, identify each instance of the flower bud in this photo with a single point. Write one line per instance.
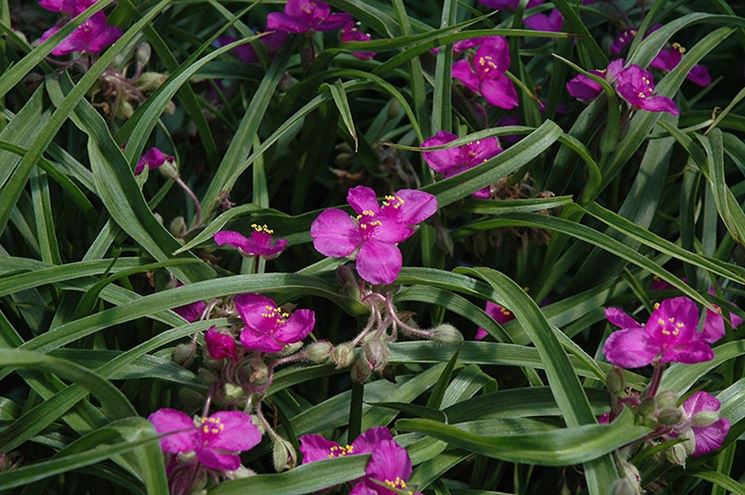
(142, 55)
(343, 355)
(233, 393)
(704, 418)
(240, 473)
(124, 110)
(666, 399)
(614, 380)
(207, 376)
(630, 482)
(360, 371)
(169, 169)
(669, 416)
(178, 228)
(349, 281)
(259, 372)
(319, 352)
(376, 353)
(151, 81)
(170, 108)
(283, 454)
(447, 334)
(677, 454)
(394, 109)
(184, 354)
(647, 407)
(290, 349)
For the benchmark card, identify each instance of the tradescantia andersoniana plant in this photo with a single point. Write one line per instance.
(429, 247)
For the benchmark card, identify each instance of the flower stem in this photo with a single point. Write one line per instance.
(197, 205)
(654, 383)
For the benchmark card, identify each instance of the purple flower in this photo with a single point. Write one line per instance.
(584, 88)
(92, 36)
(69, 7)
(191, 312)
(670, 57)
(375, 232)
(269, 328)
(261, 242)
(507, 4)
(699, 75)
(317, 448)
(244, 53)
(622, 40)
(659, 284)
(709, 430)
(389, 466)
(453, 161)
(217, 440)
(635, 85)
(668, 335)
(553, 21)
(485, 74)
(714, 323)
(500, 314)
(301, 16)
(153, 158)
(510, 120)
(220, 345)
(351, 32)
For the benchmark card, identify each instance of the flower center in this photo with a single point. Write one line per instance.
(487, 63)
(262, 228)
(367, 221)
(276, 314)
(340, 451)
(398, 484)
(211, 426)
(505, 311)
(394, 202)
(309, 7)
(670, 327)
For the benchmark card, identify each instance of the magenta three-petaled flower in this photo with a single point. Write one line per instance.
(216, 440)
(453, 161)
(485, 74)
(389, 466)
(669, 335)
(152, 159)
(635, 85)
(552, 22)
(92, 36)
(269, 328)
(300, 16)
(69, 7)
(375, 232)
(702, 414)
(260, 243)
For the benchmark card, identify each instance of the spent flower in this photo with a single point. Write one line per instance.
(709, 429)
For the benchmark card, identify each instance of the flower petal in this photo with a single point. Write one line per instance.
(232, 238)
(214, 459)
(462, 71)
(334, 21)
(240, 433)
(700, 401)
(315, 448)
(391, 231)
(362, 198)
(441, 160)
(167, 420)
(277, 21)
(496, 50)
(710, 438)
(500, 92)
(414, 206)
(297, 327)
(628, 348)
(674, 320)
(378, 262)
(264, 342)
(583, 88)
(695, 351)
(335, 234)
(220, 345)
(249, 304)
(659, 104)
(699, 75)
(366, 442)
(389, 461)
(620, 318)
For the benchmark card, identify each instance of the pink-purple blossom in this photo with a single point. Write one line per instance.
(500, 314)
(351, 32)
(669, 335)
(375, 232)
(458, 159)
(635, 85)
(508, 4)
(709, 430)
(669, 58)
(389, 464)
(220, 345)
(585, 88)
(269, 328)
(714, 323)
(260, 243)
(191, 312)
(300, 16)
(485, 73)
(92, 36)
(246, 53)
(552, 22)
(152, 159)
(69, 7)
(216, 440)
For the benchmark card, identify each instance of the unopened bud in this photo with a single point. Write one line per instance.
(666, 399)
(614, 380)
(290, 349)
(360, 370)
(233, 393)
(669, 416)
(283, 455)
(207, 376)
(447, 334)
(377, 354)
(624, 487)
(349, 281)
(240, 473)
(142, 55)
(169, 169)
(394, 109)
(259, 372)
(677, 454)
(151, 81)
(647, 407)
(184, 354)
(630, 482)
(124, 110)
(704, 418)
(690, 441)
(343, 355)
(319, 352)
(170, 108)
(178, 228)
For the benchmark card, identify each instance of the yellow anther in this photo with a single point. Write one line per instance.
(660, 321)
(680, 324)
(262, 228)
(656, 305)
